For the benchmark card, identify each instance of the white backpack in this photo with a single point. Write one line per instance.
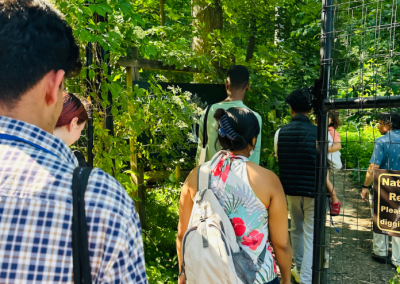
(210, 251)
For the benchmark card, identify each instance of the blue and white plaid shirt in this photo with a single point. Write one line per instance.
(36, 211)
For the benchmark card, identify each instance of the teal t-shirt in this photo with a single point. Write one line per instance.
(212, 132)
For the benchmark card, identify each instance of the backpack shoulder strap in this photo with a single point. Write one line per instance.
(80, 249)
(203, 177)
(205, 134)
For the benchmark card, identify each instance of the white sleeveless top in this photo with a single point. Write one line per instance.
(248, 215)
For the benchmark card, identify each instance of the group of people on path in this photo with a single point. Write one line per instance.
(233, 155)
(38, 123)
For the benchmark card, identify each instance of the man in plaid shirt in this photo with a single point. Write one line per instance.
(37, 51)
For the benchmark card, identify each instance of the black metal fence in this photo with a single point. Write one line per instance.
(360, 78)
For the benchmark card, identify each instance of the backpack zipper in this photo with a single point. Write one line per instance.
(184, 242)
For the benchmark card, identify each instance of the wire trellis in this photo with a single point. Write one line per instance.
(365, 63)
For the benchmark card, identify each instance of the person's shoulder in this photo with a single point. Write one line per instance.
(313, 127)
(382, 139)
(257, 115)
(191, 181)
(224, 105)
(261, 176)
(106, 193)
(259, 172)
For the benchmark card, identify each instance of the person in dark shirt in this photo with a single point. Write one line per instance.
(295, 148)
(71, 123)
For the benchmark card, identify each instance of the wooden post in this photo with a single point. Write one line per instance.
(141, 195)
(132, 140)
(178, 172)
(132, 74)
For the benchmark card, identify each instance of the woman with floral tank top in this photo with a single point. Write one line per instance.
(251, 196)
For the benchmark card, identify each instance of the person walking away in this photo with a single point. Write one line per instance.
(71, 122)
(386, 156)
(295, 147)
(37, 52)
(237, 84)
(252, 197)
(334, 160)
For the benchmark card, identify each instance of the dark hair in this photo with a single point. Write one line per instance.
(390, 118)
(72, 107)
(239, 76)
(244, 127)
(334, 116)
(298, 102)
(34, 40)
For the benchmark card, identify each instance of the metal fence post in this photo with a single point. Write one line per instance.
(322, 92)
(89, 89)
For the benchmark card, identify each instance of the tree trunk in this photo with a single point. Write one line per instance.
(162, 12)
(250, 48)
(207, 18)
(252, 41)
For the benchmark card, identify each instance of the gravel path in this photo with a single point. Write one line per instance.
(350, 249)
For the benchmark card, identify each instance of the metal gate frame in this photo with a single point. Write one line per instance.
(322, 103)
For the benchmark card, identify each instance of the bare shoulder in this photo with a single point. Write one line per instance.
(260, 176)
(191, 181)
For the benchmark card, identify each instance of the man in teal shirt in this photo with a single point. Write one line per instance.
(237, 83)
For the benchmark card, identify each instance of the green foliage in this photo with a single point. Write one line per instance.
(396, 278)
(357, 145)
(285, 57)
(162, 205)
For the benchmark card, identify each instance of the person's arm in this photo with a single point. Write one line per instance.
(127, 265)
(268, 189)
(188, 191)
(333, 145)
(337, 146)
(376, 160)
(278, 228)
(369, 178)
(276, 142)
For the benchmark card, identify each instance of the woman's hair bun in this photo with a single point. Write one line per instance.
(239, 128)
(240, 143)
(219, 113)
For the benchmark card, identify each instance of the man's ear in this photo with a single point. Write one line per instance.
(226, 85)
(248, 87)
(54, 86)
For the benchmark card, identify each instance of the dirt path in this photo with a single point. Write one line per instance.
(350, 249)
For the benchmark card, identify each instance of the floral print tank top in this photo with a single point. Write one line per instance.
(249, 216)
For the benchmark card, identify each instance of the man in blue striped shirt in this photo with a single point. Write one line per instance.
(37, 51)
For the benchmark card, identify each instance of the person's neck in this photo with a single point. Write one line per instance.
(235, 96)
(244, 153)
(297, 114)
(29, 113)
(61, 133)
